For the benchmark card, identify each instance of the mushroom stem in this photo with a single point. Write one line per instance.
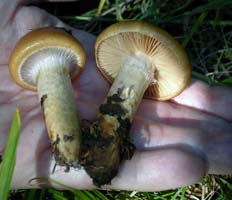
(109, 135)
(131, 83)
(60, 112)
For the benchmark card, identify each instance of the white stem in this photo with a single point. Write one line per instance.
(131, 82)
(60, 111)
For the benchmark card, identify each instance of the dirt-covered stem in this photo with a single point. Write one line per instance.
(131, 83)
(106, 143)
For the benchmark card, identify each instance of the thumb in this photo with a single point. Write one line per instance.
(17, 24)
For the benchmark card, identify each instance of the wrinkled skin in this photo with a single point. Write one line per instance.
(178, 142)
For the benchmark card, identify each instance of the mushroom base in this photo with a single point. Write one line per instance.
(106, 143)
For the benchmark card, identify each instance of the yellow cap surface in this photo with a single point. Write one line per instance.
(37, 41)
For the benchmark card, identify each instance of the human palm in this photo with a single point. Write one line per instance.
(177, 142)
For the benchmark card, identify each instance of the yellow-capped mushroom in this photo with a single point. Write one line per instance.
(45, 60)
(140, 60)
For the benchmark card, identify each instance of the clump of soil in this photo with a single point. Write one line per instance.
(106, 142)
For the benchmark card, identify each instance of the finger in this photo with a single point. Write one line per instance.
(24, 20)
(210, 135)
(90, 86)
(161, 169)
(7, 9)
(147, 134)
(214, 100)
(178, 115)
(155, 170)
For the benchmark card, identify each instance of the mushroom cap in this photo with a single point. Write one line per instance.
(45, 47)
(125, 39)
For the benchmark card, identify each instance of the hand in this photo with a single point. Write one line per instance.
(178, 142)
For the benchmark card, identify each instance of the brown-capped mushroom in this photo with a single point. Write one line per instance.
(140, 60)
(45, 60)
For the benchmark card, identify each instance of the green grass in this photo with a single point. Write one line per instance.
(9, 157)
(203, 29)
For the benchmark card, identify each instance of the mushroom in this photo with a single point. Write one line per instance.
(140, 60)
(45, 60)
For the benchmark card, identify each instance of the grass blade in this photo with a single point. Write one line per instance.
(194, 29)
(9, 157)
(30, 194)
(100, 7)
(35, 194)
(210, 5)
(227, 82)
(58, 195)
(100, 195)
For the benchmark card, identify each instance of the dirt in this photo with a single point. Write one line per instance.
(106, 143)
(43, 98)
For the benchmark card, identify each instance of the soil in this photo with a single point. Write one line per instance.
(106, 143)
